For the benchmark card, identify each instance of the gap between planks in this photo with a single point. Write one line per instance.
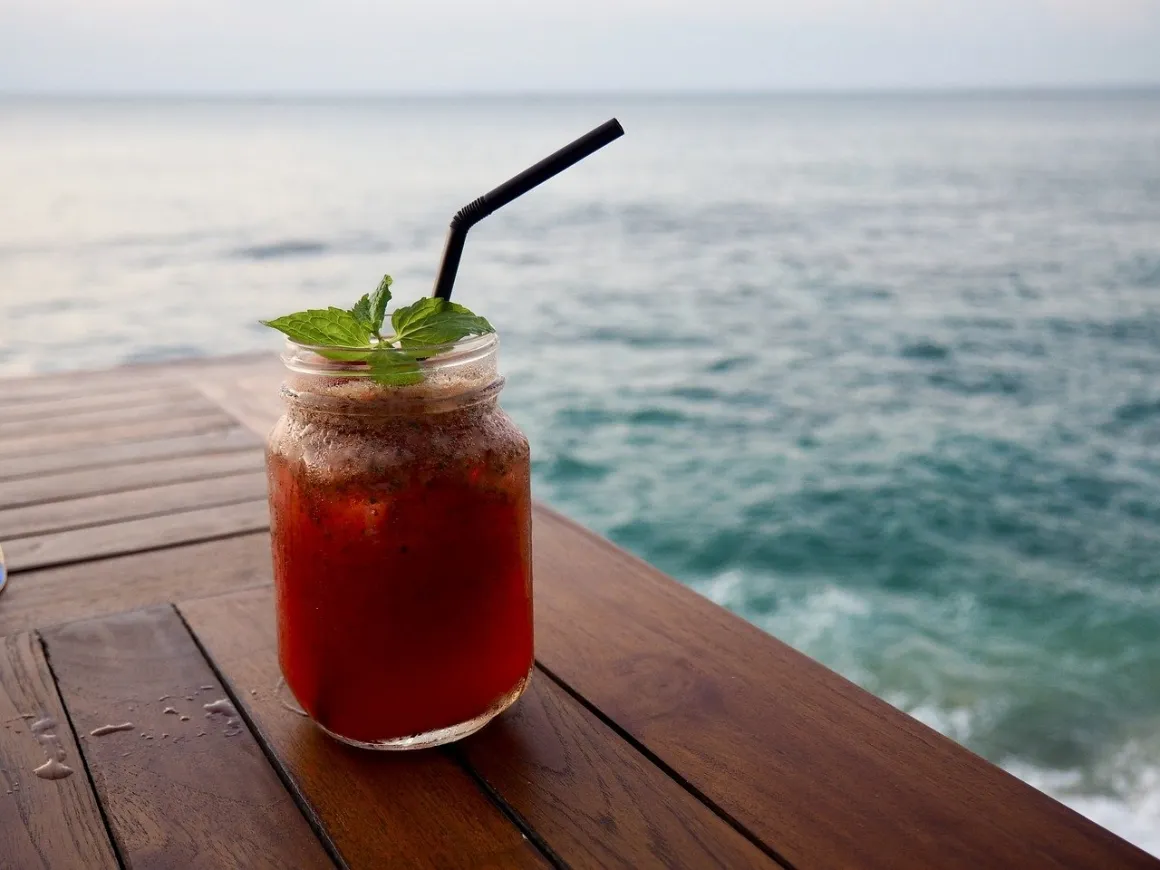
(382, 809)
(176, 792)
(57, 549)
(51, 596)
(95, 456)
(105, 509)
(65, 485)
(571, 784)
(44, 824)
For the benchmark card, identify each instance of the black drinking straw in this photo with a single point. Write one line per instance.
(533, 176)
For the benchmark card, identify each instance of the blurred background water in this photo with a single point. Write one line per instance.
(877, 373)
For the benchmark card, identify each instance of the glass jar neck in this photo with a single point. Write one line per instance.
(342, 382)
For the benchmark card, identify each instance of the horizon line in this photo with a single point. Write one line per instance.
(1097, 89)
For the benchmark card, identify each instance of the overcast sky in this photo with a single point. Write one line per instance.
(538, 45)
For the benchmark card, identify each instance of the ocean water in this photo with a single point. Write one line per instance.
(880, 374)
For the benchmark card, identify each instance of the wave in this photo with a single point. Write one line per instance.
(1134, 816)
(925, 350)
(281, 250)
(1115, 783)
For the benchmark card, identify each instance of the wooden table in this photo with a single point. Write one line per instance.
(659, 730)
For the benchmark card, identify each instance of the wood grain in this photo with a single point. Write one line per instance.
(381, 809)
(174, 374)
(823, 772)
(94, 420)
(114, 507)
(247, 389)
(43, 823)
(54, 595)
(59, 548)
(64, 406)
(136, 475)
(99, 455)
(182, 800)
(595, 799)
(50, 441)
(35, 388)
(819, 770)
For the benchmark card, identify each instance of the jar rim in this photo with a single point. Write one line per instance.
(309, 359)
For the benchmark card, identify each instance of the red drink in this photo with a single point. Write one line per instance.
(402, 553)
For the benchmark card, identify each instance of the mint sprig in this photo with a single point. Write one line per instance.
(356, 335)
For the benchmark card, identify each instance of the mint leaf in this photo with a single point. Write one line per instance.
(378, 303)
(393, 369)
(371, 309)
(405, 318)
(345, 355)
(362, 313)
(434, 321)
(330, 326)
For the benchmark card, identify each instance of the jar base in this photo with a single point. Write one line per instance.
(439, 736)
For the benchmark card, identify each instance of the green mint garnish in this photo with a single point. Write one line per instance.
(435, 321)
(371, 309)
(356, 335)
(394, 369)
(330, 326)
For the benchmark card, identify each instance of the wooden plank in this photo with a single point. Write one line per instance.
(135, 504)
(94, 481)
(381, 809)
(54, 595)
(101, 455)
(131, 536)
(591, 796)
(36, 388)
(63, 406)
(44, 823)
(823, 772)
(192, 793)
(247, 389)
(760, 709)
(102, 418)
(21, 389)
(50, 441)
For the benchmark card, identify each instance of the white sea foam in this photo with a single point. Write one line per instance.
(1133, 812)
(1135, 816)
(826, 621)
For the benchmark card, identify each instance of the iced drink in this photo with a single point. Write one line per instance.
(401, 525)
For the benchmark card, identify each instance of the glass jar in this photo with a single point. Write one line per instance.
(401, 527)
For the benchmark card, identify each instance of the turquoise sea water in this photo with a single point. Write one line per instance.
(879, 374)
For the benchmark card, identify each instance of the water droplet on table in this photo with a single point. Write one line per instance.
(53, 769)
(111, 729)
(42, 726)
(224, 707)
